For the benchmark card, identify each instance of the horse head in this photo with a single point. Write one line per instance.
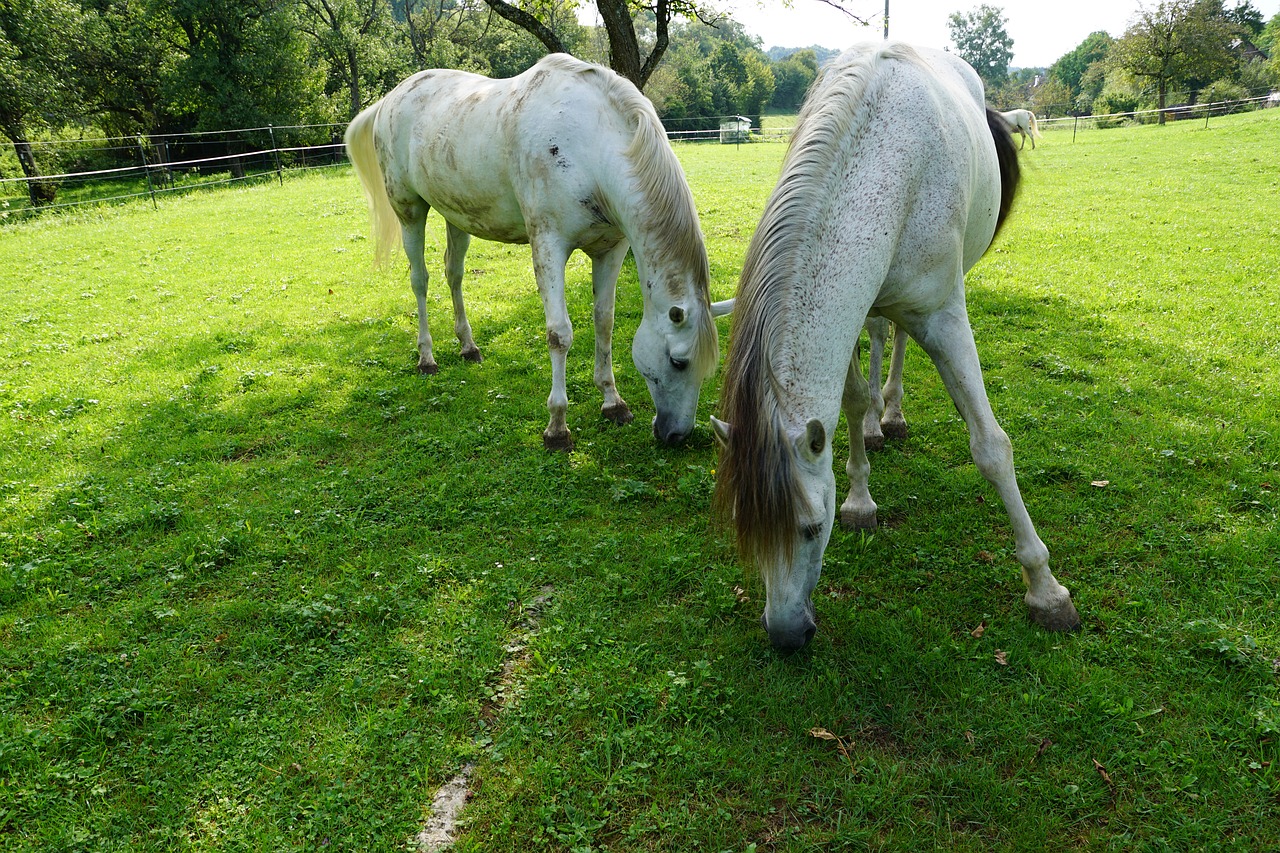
(675, 350)
(783, 527)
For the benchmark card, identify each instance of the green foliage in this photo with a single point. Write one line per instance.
(981, 40)
(1073, 69)
(793, 76)
(1178, 42)
(263, 587)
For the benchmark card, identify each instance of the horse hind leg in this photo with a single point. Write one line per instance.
(455, 255)
(892, 422)
(604, 286)
(858, 510)
(877, 335)
(413, 235)
(948, 340)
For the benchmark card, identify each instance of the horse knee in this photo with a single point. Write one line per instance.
(559, 339)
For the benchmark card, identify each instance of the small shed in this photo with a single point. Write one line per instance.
(734, 130)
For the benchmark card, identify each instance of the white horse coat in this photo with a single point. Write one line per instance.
(564, 156)
(869, 218)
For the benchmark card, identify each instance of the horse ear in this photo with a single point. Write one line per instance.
(722, 431)
(813, 442)
(722, 308)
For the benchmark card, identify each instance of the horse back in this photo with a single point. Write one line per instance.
(494, 156)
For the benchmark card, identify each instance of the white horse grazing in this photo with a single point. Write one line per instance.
(565, 156)
(1024, 122)
(867, 218)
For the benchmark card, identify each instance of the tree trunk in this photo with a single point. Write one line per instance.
(39, 191)
(353, 66)
(1164, 93)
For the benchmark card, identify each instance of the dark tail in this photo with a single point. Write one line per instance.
(1010, 171)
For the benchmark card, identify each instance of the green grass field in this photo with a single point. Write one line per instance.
(263, 587)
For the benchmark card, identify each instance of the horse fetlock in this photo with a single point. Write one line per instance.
(619, 413)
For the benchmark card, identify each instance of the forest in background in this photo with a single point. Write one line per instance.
(75, 69)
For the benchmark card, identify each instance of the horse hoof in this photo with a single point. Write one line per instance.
(428, 368)
(558, 443)
(873, 442)
(851, 519)
(472, 354)
(894, 430)
(619, 414)
(1058, 619)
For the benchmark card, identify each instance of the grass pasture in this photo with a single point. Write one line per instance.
(262, 587)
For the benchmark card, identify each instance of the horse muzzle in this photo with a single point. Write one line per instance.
(669, 433)
(795, 634)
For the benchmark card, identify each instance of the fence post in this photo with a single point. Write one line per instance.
(146, 167)
(271, 128)
(1075, 127)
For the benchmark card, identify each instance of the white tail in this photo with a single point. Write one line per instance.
(384, 224)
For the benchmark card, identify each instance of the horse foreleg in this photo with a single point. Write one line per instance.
(948, 339)
(892, 423)
(413, 235)
(877, 334)
(604, 287)
(858, 510)
(455, 256)
(549, 259)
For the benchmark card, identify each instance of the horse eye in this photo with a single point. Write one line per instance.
(811, 532)
(679, 363)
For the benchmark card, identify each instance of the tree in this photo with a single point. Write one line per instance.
(1269, 36)
(1178, 40)
(1071, 67)
(350, 36)
(36, 37)
(626, 55)
(1247, 18)
(792, 78)
(241, 65)
(981, 40)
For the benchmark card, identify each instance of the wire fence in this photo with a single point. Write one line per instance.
(113, 170)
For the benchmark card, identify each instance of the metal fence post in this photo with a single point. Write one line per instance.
(146, 167)
(276, 153)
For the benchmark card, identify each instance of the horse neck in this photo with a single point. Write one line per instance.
(671, 261)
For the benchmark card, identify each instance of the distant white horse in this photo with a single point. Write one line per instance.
(1024, 122)
(564, 156)
(867, 218)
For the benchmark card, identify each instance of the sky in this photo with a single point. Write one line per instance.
(1042, 30)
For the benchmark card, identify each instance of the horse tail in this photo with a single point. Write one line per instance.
(1035, 127)
(1010, 171)
(364, 159)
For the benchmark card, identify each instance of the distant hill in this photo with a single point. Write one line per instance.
(777, 54)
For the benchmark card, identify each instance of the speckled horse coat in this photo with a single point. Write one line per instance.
(870, 217)
(564, 156)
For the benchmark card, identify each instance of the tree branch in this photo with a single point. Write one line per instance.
(528, 22)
